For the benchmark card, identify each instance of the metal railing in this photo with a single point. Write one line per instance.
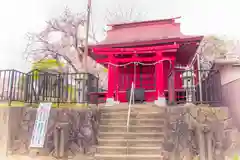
(12, 85)
(131, 101)
(37, 86)
(194, 86)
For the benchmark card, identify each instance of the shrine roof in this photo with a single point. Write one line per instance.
(169, 20)
(145, 32)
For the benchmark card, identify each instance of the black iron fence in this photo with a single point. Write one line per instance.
(37, 86)
(194, 86)
(12, 85)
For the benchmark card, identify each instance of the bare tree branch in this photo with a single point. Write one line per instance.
(124, 15)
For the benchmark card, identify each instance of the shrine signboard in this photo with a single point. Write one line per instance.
(40, 126)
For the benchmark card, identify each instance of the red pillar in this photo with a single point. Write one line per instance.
(161, 100)
(116, 82)
(159, 77)
(110, 81)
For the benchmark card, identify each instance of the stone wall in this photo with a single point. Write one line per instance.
(230, 92)
(192, 130)
(17, 125)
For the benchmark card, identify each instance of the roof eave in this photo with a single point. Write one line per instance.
(150, 42)
(142, 22)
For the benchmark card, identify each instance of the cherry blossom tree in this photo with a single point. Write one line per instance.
(61, 40)
(58, 47)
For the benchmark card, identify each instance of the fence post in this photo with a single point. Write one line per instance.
(61, 139)
(58, 88)
(97, 78)
(201, 144)
(209, 145)
(11, 88)
(171, 88)
(199, 78)
(26, 88)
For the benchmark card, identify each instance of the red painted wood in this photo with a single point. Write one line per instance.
(126, 60)
(148, 42)
(159, 77)
(120, 78)
(125, 77)
(111, 79)
(134, 50)
(125, 74)
(110, 82)
(154, 77)
(134, 53)
(145, 77)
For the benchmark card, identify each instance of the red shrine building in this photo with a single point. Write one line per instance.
(143, 54)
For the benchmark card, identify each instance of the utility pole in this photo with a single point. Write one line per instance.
(87, 25)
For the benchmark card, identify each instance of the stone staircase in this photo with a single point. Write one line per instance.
(142, 142)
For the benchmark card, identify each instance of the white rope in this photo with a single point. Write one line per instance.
(118, 65)
(144, 64)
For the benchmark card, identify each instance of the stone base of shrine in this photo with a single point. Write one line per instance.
(161, 101)
(189, 104)
(16, 125)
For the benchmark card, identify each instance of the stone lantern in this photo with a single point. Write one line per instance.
(188, 84)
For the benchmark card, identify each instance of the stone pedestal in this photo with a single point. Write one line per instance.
(111, 102)
(161, 102)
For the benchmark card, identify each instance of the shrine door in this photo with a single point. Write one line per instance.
(143, 77)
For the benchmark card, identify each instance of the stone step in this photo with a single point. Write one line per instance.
(113, 121)
(128, 150)
(149, 121)
(129, 135)
(139, 115)
(143, 142)
(140, 122)
(129, 156)
(133, 109)
(144, 139)
(114, 111)
(114, 115)
(132, 128)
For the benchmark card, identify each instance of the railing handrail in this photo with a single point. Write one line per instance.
(131, 99)
(130, 104)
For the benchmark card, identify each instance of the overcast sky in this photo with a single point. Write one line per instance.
(21, 16)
